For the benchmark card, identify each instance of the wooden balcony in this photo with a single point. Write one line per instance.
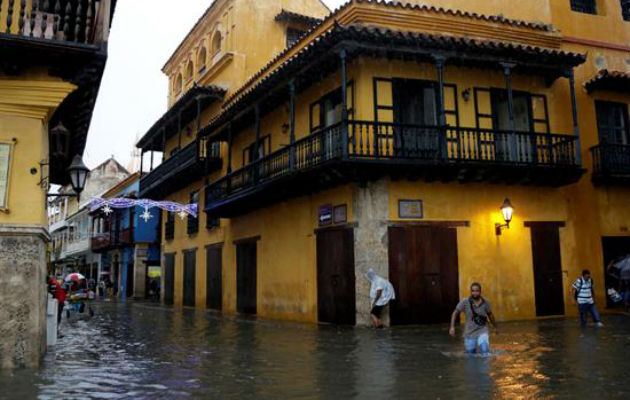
(180, 170)
(368, 150)
(611, 164)
(101, 242)
(75, 22)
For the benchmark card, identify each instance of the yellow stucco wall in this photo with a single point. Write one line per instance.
(26, 104)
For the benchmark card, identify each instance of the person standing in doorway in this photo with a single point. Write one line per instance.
(584, 295)
(381, 293)
(478, 314)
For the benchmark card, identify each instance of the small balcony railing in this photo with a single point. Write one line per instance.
(179, 170)
(73, 21)
(441, 149)
(611, 163)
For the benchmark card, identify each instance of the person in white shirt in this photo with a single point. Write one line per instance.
(381, 293)
(584, 295)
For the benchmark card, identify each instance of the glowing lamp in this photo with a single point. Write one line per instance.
(507, 211)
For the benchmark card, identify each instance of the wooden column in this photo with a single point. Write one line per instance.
(257, 144)
(507, 73)
(576, 127)
(163, 144)
(292, 123)
(344, 105)
(439, 65)
(152, 152)
(141, 161)
(229, 157)
(179, 129)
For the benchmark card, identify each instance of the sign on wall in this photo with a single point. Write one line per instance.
(5, 162)
(324, 214)
(340, 214)
(410, 208)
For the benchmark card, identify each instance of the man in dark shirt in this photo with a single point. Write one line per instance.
(478, 313)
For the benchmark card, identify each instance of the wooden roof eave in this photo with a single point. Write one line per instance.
(169, 121)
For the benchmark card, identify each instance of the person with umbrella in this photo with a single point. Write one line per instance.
(619, 268)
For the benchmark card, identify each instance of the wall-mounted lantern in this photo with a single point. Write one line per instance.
(78, 174)
(466, 94)
(60, 141)
(507, 211)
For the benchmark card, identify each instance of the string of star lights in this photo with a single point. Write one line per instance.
(109, 205)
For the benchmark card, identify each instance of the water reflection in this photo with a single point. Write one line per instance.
(143, 352)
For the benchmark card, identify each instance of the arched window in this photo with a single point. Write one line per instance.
(201, 59)
(216, 43)
(178, 83)
(189, 71)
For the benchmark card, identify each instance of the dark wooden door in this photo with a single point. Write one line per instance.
(169, 278)
(246, 278)
(613, 247)
(130, 274)
(423, 270)
(214, 278)
(547, 270)
(336, 302)
(190, 258)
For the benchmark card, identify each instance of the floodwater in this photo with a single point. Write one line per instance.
(140, 351)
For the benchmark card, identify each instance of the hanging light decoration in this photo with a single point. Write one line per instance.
(108, 206)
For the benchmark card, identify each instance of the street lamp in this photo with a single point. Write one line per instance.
(507, 211)
(78, 174)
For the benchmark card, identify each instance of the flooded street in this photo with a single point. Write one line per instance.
(137, 351)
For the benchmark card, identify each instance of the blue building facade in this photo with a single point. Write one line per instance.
(129, 243)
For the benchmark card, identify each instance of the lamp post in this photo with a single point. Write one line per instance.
(507, 211)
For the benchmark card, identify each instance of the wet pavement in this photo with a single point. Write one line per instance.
(140, 351)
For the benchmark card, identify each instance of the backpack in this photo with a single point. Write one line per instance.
(579, 289)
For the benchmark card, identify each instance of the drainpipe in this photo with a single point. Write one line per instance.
(507, 73)
(576, 128)
(439, 65)
(292, 123)
(344, 106)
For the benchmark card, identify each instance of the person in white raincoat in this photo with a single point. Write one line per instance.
(381, 292)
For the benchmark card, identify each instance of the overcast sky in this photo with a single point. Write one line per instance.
(133, 92)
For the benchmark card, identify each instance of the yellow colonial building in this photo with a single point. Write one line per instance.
(388, 136)
(52, 56)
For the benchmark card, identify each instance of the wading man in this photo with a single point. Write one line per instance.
(381, 292)
(478, 313)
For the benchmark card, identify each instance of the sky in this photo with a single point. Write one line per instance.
(133, 93)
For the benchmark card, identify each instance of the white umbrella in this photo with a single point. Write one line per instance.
(74, 277)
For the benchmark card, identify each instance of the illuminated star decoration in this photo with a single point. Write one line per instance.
(146, 215)
(107, 210)
(183, 214)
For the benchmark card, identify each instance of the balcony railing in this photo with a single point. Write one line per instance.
(179, 170)
(611, 163)
(443, 150)
(75, 246)
(77, 21)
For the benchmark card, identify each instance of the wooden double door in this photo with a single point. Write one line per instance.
(214, 277)
(424, 272)
(190, 263)
(548, 281)
(246, 277)
(169, 278)
(336, 301)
